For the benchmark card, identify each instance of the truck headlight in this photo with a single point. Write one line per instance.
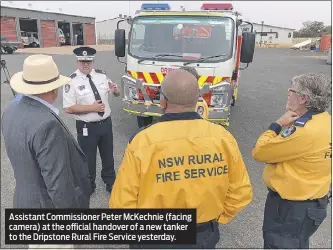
(220, 95)
(133, 93)
(217, 101)
(130, 91)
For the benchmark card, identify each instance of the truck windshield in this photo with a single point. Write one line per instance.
(182, 38)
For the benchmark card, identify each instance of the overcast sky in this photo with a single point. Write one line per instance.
(289, 14)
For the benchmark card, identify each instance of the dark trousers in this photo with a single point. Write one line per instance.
(208, 235)
(290, 224)
(99, 135)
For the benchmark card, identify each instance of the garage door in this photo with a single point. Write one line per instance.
(48, 30)
(8, 28)
(89, 30)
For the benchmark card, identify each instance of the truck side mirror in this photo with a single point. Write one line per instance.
(119, 42)
(248, 45)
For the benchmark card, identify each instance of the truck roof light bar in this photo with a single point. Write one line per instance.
(155, 6)
(217, 6)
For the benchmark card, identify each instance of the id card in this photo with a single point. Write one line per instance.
(85, 131)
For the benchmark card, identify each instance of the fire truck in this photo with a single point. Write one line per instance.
(161, 40)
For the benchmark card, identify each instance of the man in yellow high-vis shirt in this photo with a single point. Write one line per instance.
(184, 161)
(298, 156)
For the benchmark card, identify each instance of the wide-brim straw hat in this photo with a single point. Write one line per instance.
(40, 75)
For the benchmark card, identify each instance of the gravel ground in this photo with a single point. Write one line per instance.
(262, 98)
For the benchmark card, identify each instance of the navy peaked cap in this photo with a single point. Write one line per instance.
(84, 53)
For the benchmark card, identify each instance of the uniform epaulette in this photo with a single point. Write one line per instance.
(100, 71)
(72, 75)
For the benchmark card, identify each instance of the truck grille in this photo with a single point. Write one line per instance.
(153, 93)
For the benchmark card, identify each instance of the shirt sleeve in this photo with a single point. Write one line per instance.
(273, 147)
(239, 193)
(108, 79)
(69, 95)
(125, 190)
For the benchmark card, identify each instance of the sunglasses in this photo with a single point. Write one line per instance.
(86, 62)
(161, 92)
(294, 91)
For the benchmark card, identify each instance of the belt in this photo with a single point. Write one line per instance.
(205, 226)
(97, 122)
(320, 200)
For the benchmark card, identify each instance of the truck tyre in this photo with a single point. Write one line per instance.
(144, 121)
(233, 101)
(34, 45)
(10, 51)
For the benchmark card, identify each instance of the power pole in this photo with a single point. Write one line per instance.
(262, 27)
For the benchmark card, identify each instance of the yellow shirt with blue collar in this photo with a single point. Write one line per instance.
(298, 159)
(183, 161)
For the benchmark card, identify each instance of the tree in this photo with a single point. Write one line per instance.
(328, 29)
(313, 29)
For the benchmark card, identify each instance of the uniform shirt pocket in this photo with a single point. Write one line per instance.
(84, 91)
(103, 87)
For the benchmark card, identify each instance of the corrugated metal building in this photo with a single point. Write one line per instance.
(105, 30)
(269, 34)
(47, 27)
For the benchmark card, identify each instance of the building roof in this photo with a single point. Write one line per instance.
(274, 26)
(110, 19)
(42, 11)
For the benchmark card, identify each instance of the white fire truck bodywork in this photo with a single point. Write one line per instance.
(220, 93)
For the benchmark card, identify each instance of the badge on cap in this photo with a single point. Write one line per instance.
(84, 53)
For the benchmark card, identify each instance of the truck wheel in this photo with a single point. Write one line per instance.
(233, 101)
(144, 121)
(34, 45)
(10, 51)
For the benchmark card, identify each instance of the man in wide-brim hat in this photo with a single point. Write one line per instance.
(50, 168)
(40, 75)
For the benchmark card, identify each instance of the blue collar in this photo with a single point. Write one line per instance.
(17, 98)
(54, 109)
(180, 116)
(171, 117)
(301, 121)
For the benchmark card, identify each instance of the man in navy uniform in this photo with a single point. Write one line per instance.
(86, 97)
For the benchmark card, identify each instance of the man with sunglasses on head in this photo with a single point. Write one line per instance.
(298, 156)
(201, 107)
(87, 97)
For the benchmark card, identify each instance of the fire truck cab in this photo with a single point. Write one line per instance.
(161, 40)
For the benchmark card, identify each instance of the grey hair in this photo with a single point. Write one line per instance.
(317, 88)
